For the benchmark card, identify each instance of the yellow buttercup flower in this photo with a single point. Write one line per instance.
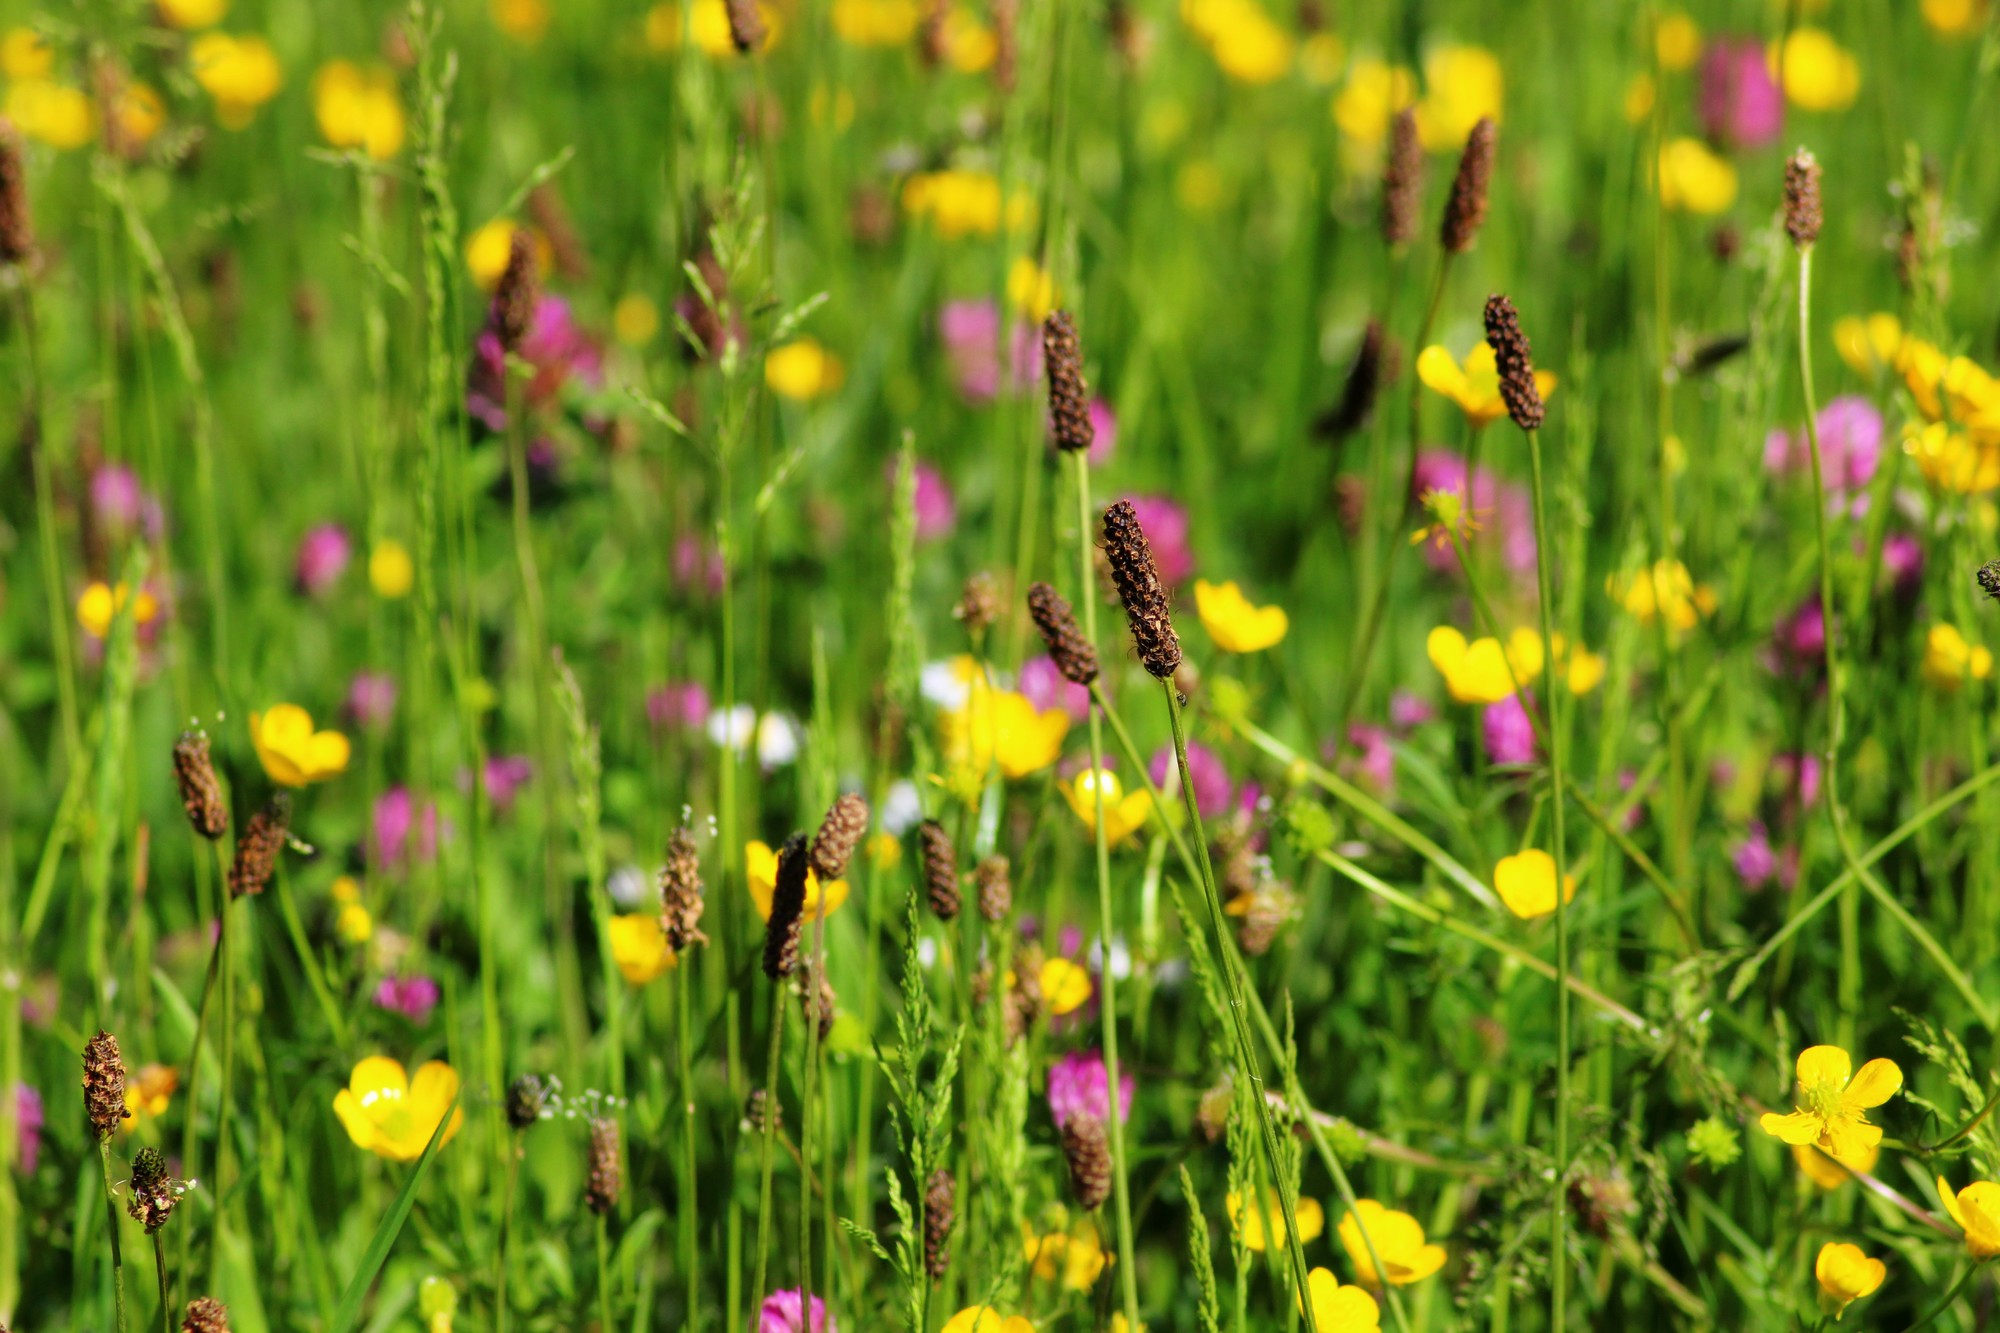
(191, 14)
(761, 873)
(1868, 343)
(1479, 672)
(148, 1093)
(1001, 727)
(391, 572)
(1398, 1239)
(1235, 624)
(293, 754)
(1065, 986)
(875, 22)
(970, 47)
(1831, 1173)
(26, 54)
(345, 889)
(885, 851)
(1322, 57)
(1582, 670)
(1374, 92)
(965, 203)
(639, 947)
(1667, 584)
(635, 319)
(1526, 882)
(1247, 45)
(1955, 18)
(1845, 1275)
(1341, 1309)
(1818, 74)
(1074, 1258)
(1474, 385)
(487, 249)
(354, 924)
(392, 1115)
(1124, 812)
(51, 113)
(1640, 94)
(1677, 40)
(985, 1319)
(523, 20)
(707, 23)
(1950, 661)
(1832, 1109)
(1031, 289)
(1257, 1232)
(1461, 85)
(358, 108)
(1976, 1209)
(140, 113)
(802, 370)
(100, 603)
(1695, 179)
(240, 73)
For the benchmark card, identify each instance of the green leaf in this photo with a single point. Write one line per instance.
(348, 1313)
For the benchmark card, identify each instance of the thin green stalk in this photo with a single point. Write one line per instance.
(223, 944)
(807, 1104)
(1114, 1115)
(166, 1297)
(685, 1187)
(769, 1133)
(45, 525)
(1246, 1057)
(502, 1306)
(1930, 1316)
(1559, 1205)
(111, 1218)
(603, 1274)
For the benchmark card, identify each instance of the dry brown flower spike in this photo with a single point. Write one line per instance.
(940, 869)
(1069, 396)
(103, 1084)
(1137, 576)
(1074, 655)
(1466, 210)
(201, 792)
(1515, 361)
(1802, 207)
(788, 904)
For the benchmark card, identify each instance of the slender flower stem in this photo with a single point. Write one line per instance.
(117, 1249)
(221, 1194)
(604, 1274)
(45, 524)
(1949, 1297)
(1558, 797)
(166, 1297)
(1246, 1056)
(770, 1135)
(1114, 1116)
(501, 1304)
(685, 1212)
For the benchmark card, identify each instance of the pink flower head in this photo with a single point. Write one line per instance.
(784, 1312)
(121, 504)
(505, 776)
(1797, 776)
(1504, 510)
(937, 512)
(395, 819)
(672, 707)
(1740, 104)
(1372, 762)
(1507, 732)
(1755, 862)
(1205, 771)
(1408, 709)
(1166, 527)
(971, 333)
(28, 1128)
(1103, 432)
(412, 997)
(1850, 441)
(555, 347)
(1045, 687)
(371, 698)
(1903, 557)
(698, 570)
(1800, 639)
(323, 555)
(1079, 1084)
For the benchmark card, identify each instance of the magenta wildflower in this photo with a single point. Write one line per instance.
(1103, 433)
(323, 556)
(412, 997)
(671, 707)
(784, 1312)
(1079, 1084)
(1903, 557)
(28, 1127)
(1409, 709)
(971, 332)
(505, 776)
(1372, 763)
(371, 698)
(1503, 510)
(556, 347)
(1850, 440)
(1740, 105)
(1507, 732)
(1755, 862)
(937, 512)
(1211, 782)
(1797, 776)
(1799, 641)
(121, 504)
(698, 568)
(1044, 686)
(395, 819)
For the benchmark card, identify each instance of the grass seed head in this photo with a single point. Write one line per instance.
(206, 1314)
(940, 869)
(1358, 394)
(1074, 655)
(514, 298)
(788, 904)
(978, 603)
(1466, 210)
(1515, 361)
(1137, 577)
(153, 1194)
(201, 793)
(1989, 579)
(680, 892)
(607, 1178)
(839, 834)
(940, 1196)
(17, 224)
(820, 1003)
(1088, 1151)
(258, 849)
(1402, 180)
(996, 888)
(1069, 395)
(1803, 215)
(103, 1084)
(527, 1098)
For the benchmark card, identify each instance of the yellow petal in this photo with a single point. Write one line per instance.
(1824, 1064)
(326, 755)
(1446, 648)
(1421, 1265)
(1950, 1199)
(1441, 373)
(377, 1078)
(1798, 1127)
(355, 1120)
(1877, 1082)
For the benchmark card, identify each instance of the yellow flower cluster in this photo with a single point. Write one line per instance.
(1666, 586)
(1474, 385)
(1845, 1275)
(1950, 661)
(1976, 1209)
(994, 726)
(1526, 883)
(1247, 45)
(101, 603)
(1483, 672)
(1833, 1101)
(1124, 812)
(1694, 178)
(1399, 1242)
(760, 864)
(392, 1115)
(43, 109)
(706, 23)
(1818, 74)
(803, 370)
(1233, 622)
(1259, 1232)
(963, 202)
(293, 754)
(1461, 84)
(1955, 18)
(358, 108)
(639, 947)
(1074, 1257)
(240, 73)
(875, 22)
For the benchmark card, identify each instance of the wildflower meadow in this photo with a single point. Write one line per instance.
(999, 666)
